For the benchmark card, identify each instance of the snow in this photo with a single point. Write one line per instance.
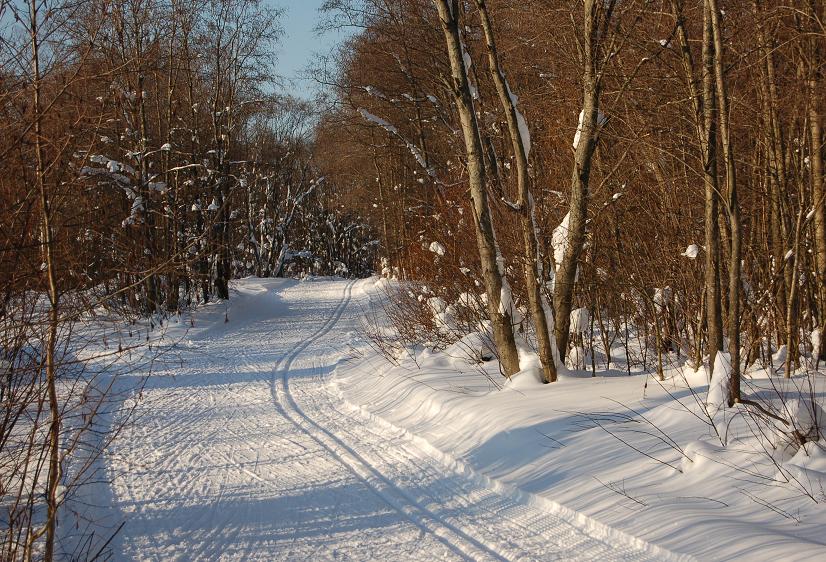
(467, 64)
(437, 248)
(719, 388)
(466, 58)
(804, 417)
(251, 451)
(112, 166)
(663, 297)
(601, 120)
(378, 121)
(780, 355)
(691, 251)
(506, 304)
(524, 132)
(542, 443)
(387, 126)
(280, 434)
(375, 92)
(578, 129)
(580, 319)
(559, 239)
(134, 212)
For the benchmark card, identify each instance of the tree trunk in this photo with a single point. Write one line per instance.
(703, 104)
(732, 204)
(792, 304)
(493, 267)
(520, 139)
(580, 176)
(714, 305)
(777, 170)
(53, 476)
(816, 161)
(148, 218)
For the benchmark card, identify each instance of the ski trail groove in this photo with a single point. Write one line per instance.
(379, 467)
(380, 485)
(248, 452)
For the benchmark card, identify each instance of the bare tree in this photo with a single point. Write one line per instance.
(53, 477)
(596, 21)
(541, 313)
(499, 301)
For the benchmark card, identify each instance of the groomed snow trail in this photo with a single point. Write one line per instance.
(244, 453)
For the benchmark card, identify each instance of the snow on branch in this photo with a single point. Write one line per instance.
(414, 150)
(521, 122)
(375, 92)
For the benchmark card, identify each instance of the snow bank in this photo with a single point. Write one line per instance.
(541, 443)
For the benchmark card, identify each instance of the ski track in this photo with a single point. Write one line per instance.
(245, 453)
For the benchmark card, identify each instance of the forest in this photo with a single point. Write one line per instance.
(558, 177)
(686, 196)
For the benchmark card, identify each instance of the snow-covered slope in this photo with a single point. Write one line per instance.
(550, 446)
(246, 450)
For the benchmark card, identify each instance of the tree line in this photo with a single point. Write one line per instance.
(652, 168)
(148, 155)
(658, 164)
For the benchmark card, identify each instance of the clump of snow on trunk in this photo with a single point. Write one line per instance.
(524, 132)
(580, 319)
(559, 239)
(474, 93)
(816, 343)
(719, 387)
(779, 356)
(663, 298)
(601, 120)
(506, 305)
(691, 251)
(577, 357)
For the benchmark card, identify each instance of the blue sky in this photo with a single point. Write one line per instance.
(300, 42)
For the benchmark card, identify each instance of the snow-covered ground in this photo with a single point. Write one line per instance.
(627, 451)
(281, 435)
(248, 452)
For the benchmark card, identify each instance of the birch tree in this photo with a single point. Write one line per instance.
(596, 20)
(499, 297)
(519, 133)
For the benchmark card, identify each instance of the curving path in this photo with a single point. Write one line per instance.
(244, 453)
